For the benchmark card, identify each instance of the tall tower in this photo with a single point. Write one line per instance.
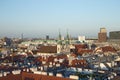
(47, 37)
(102, 35)
(60, 37)
(22, 36)
(68, 37)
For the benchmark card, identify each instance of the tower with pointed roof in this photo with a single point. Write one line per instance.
(68, 38)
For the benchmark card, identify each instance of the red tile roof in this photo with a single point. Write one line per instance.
(107, 49)
(31, 76)
(63, 56)
(82, 51)
(73, 54)
(79, 63)
(83, 46)
(47, 49)
(116, 78)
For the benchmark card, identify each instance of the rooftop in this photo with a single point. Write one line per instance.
(31, 76)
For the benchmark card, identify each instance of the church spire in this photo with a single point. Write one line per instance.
(68, 37)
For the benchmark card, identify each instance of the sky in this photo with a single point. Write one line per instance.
(38, 18)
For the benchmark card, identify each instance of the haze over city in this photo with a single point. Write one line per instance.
(38, 18)
(59, 39)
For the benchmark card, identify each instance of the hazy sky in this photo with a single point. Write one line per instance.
(38, 18)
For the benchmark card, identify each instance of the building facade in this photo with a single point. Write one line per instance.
(102, 35)
(81, 38)
(114, 35)
(47, 37)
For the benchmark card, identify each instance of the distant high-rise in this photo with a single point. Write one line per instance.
(47, 37)
(60, 37)
(22, 36)
(102, 35)
(68, 36)
(114, 35)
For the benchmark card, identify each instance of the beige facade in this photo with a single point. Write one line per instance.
(102, 35)
(103, 30)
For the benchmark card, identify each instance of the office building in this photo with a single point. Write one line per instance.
(114, 35)
(47, 37)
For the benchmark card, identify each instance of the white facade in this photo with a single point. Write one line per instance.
(58, 48)
(81, 38)
(62, 38)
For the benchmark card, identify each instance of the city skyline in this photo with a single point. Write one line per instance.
(38, 18)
